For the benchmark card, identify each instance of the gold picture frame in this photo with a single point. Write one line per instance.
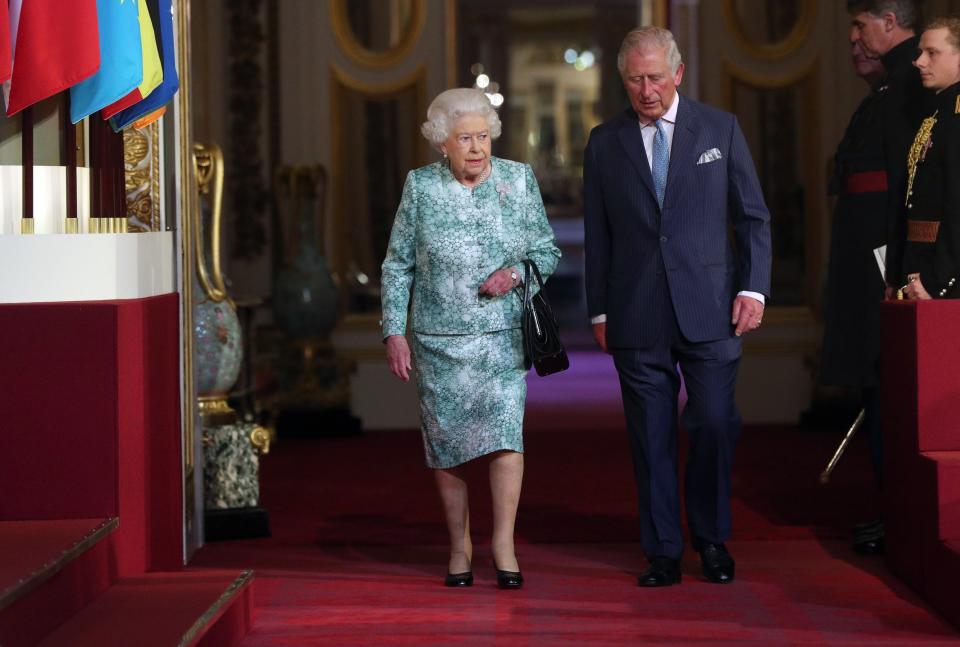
(358, 53)
(772, 51)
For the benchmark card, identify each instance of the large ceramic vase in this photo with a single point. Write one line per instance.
(216, 329)
(305, 297)
(218, 351)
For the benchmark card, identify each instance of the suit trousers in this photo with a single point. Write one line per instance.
(650, 386)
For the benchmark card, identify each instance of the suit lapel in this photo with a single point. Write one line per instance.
(682, 149)
(632, 142)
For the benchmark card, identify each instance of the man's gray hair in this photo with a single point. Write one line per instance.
(643, 37)
(907, 12)
(451, 105)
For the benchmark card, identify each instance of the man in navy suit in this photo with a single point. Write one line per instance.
(666, 183)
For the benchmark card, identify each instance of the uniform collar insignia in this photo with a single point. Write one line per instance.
(956, 109)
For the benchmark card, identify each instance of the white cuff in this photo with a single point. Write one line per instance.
(598, 319)
(753, 295)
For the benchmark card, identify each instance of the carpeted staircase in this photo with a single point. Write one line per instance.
(921, 417)
(91, 495)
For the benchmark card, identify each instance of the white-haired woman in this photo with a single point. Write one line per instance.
(464, 226)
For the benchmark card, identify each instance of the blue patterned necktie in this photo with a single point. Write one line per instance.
(661, 161)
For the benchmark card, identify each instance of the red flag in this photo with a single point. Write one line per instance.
(57, 45)
(6, 60)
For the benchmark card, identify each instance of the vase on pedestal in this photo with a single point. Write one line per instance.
(314, 383)
(231, 446)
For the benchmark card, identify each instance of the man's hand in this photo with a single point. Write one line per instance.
(600, 335)
(747, 314)
(914, 288)
(398, 356)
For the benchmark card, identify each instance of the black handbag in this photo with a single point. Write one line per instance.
(541, 338)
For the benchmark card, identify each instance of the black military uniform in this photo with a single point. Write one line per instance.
(869, 174)
(932, 204)
(906, 104)
(851, 337)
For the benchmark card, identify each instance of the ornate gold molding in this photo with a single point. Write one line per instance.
(772, 51)
(343, 34)
(141, 158)
(733, 72)
(260, 437)
(208, 170)
(214, 409)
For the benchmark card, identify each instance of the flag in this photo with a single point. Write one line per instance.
(121, 61)
(149, 119)
(152, 67)
(6, 60)
(55, 45)
(162, 13)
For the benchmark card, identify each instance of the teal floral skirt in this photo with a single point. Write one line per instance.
(472, 394)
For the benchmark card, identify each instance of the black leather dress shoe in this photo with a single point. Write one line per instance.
(663, 571)
(509, 579)
(718, 565)
(869, 540)
(459, 579)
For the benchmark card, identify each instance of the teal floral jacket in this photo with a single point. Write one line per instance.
(447, 239)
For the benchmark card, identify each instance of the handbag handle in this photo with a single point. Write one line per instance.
(527, 296)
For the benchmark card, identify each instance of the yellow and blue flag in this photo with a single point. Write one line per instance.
(161, 11)
(152, 67)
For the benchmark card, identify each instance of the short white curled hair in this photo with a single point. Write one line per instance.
(451, 105)
(647, 36)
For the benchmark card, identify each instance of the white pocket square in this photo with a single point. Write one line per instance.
(711, 155)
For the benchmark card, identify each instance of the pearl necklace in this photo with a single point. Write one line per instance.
(484, 176)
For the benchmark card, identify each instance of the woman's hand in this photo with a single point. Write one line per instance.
(499, 283)
(398, 356)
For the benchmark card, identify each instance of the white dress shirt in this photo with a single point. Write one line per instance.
(648, 130)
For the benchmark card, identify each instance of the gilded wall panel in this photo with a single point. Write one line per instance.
(141, 157)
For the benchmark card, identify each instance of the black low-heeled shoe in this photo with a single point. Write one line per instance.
(459, 579)
(717, 563)
(509, 579)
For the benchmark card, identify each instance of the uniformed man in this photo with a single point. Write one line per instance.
(885, 31)
(931, 256)
(855, 284)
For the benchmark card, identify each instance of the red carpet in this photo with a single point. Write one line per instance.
(358, 549)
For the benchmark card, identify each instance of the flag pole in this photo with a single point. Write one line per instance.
(26, 147)
(69, 154)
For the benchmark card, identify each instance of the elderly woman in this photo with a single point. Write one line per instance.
(463, 229)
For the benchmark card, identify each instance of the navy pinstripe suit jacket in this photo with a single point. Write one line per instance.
(632, 245)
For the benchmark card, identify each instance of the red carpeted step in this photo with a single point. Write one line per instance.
(48, 571)
(208, 608)
(948, 493)
(940, 583)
